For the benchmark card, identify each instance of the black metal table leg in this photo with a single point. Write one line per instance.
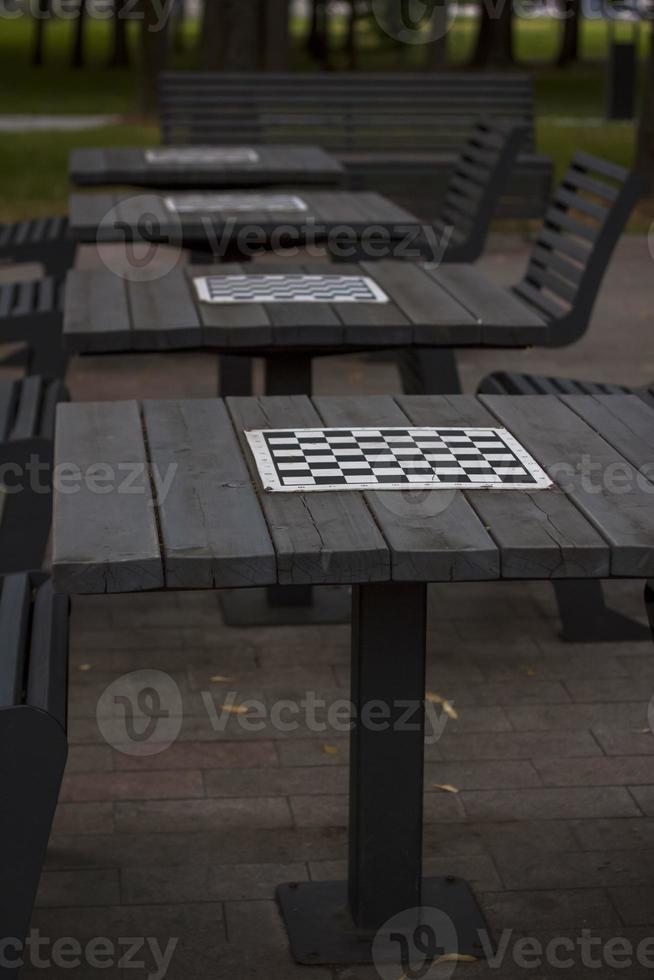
(338, 922)
(649, 604)
(287, 374)
(585, 617)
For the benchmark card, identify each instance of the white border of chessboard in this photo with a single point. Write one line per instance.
(202, 155)
(203, 203)
(290, 289)
(270, 479)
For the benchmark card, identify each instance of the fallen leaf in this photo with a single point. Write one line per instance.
(84, 667)
(330, 750)
(447, 706)
(645, 731)
(235, 709)
(446, 787)
(530, 672)
(221, 679)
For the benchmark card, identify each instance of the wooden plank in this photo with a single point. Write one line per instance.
(9, 391)
(162, 313)
(437, 317)
(26, 422)
(213, 531)
(96, 317)
(233, 324)
(105, 533)
(433, 536)
(86, 213)
(596, 477)
(320, 538)
(624, 421)
(504, 319)
(540, 533)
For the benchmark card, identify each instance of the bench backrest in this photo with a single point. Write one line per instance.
(580, 230)
(481, 173)
(342, 112)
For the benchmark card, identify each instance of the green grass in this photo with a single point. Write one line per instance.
(34, 166)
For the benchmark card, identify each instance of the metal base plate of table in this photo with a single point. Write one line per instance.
(321, 929)
(318, 606)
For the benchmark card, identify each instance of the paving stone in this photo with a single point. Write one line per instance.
(644, 797)
(161, 817)
(295, 781)
(553, 804)
(523, 910)
(609, 689)
(578, 717)
(203, 755)
(625, 743)
(169, 785)
(478, 869)
(254, 925)
(525, 836)
(635, 905)
(79, 887)
(83, 818)
(89, 758)
(203, 882)
(481, 775)
(583, 869)
(517, 745)
(618, 771)
(331, 811)
(614, 834)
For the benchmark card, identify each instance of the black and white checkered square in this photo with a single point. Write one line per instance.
(202, 155)
(247, 203)
(390, 458)
(288, 289)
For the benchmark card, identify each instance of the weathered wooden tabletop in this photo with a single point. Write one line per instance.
(94, 166)
(451, 306)
(213, 526)
(195, 217)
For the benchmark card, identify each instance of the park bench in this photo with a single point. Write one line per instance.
(31, 314)
(27, 421)
(583, 611)
(33, 744)
(399, 134)
(42, 240)
(580, 230)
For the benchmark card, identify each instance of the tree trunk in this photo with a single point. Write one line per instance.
(120, 51)
(318, 43)
(77, 57)
(645, 146)
(42, 14)
(230, 36)
(494, 47)
(351, 36)
(153, 54)
(437, 47)
(569, 51)
(275, 35)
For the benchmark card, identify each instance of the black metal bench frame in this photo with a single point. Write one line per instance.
(27, 421)
(33, 743)
(31, 314)
(41, 240)
(399, 134)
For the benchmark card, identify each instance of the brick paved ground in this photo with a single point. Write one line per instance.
(554, 821)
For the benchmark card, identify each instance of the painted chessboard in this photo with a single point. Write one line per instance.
(288, 289)
(234, 203)
(393, 459)
(202, 155)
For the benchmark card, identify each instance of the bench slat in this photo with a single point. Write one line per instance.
(14, 624)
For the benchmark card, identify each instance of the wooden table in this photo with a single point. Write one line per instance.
(454, 306)
(217, 528)
(201, 167)
(247, 221)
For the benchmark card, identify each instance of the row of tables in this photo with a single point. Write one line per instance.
(218, 528)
